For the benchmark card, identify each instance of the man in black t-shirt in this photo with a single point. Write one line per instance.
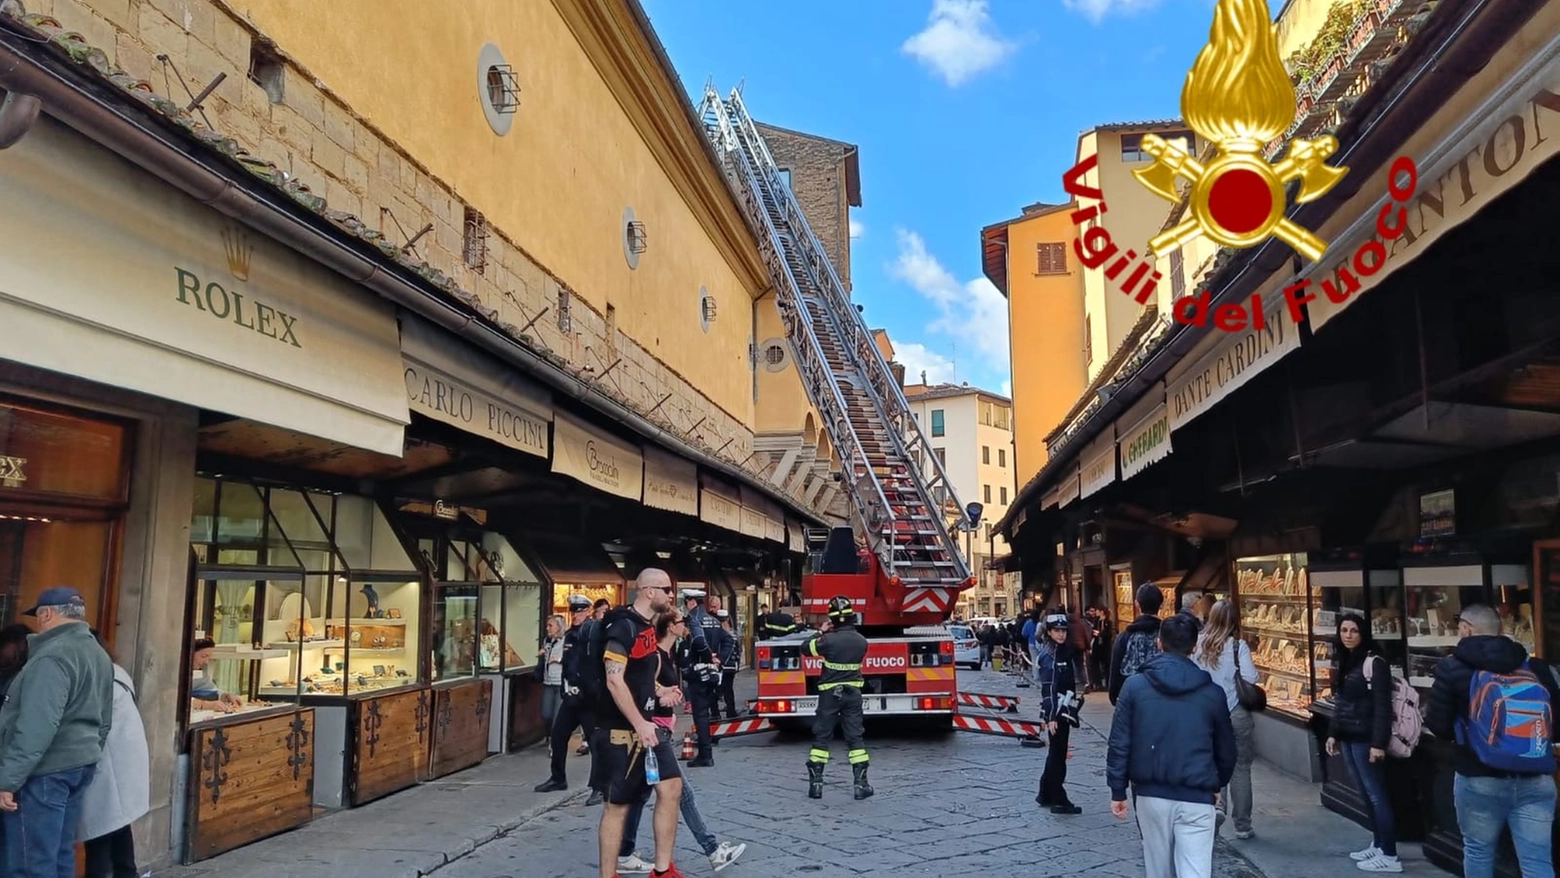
(631, 664)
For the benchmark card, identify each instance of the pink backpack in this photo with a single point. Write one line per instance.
(1407, 722)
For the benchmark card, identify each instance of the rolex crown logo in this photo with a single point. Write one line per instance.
(1238, 97)
(239, 251)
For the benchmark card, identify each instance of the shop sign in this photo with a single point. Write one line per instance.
(1146, 443)
(671, 483)
(795, 539)
(596, 459)
(121, 279)
(720, 511)
(1236, 360)
(1048, 501)
(752, 522)
(1491, 152)
(1099, 463)
(11, 475)
(774, 531)
(445, 511)
(448, 382)
(1067, 491)
(1438, 513)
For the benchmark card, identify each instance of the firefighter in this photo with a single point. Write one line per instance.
(842, 648)
(776, 624)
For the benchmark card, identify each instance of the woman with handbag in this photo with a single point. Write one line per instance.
(1227, 659)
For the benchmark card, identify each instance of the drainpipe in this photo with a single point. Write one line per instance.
(17, 115)
(274, 214)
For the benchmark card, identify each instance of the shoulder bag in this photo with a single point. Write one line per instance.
(1248, 695)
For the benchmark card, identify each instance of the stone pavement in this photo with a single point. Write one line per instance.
(961, 804)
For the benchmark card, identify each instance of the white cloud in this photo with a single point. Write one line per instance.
(918, 358)
(857, 228)
(1007, 388)
(1097, 10)
(959, 41)
(972, 314)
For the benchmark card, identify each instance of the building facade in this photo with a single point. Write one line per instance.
(360, 382)
(971, 432)
(1345, 458)
(825, 177)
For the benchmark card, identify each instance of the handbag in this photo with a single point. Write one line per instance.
(1248, 695)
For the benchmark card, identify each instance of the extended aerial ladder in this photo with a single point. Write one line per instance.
(899, 493)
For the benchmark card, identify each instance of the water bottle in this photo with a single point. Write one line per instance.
(652, 768)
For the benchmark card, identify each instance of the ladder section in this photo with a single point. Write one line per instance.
(897, 486)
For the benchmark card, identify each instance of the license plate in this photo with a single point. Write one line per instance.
(874, 704)
(801, 704)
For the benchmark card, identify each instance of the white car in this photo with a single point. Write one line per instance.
(966, 648)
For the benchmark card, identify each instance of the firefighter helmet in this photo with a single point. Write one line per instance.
(840, 609)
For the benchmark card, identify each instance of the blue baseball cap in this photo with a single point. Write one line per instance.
(58, 596)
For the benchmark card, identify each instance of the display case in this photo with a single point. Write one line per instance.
(1342, 585)
(1434, 595)
(1274, 596)
(1125, 594)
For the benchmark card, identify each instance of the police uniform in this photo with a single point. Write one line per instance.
(839, 698)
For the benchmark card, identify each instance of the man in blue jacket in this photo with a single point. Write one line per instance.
(1172, 741)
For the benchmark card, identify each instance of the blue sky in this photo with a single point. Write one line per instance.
(964, 110)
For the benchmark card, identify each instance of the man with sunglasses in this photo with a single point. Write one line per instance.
(630, 732)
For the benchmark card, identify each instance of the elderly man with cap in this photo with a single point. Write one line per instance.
(701, 670)
(573, 711)
(53, 724)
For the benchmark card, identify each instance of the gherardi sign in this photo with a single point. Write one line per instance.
(1145, 444)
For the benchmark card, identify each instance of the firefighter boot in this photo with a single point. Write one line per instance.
(863, 789)
(814, 780)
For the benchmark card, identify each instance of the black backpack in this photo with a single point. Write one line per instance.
(592, 669)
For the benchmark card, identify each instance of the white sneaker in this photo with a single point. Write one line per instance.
(1368, 853)
(633, 865)
(1380, 863)
(726, 854)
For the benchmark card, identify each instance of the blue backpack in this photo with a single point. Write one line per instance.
(1510, 722)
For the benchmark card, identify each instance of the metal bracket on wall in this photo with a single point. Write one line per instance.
(195, 101)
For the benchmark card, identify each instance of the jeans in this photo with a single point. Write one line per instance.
(40, 836)
(1177, 837)
(112, 855)
(1486, 805)
(1372, 778)
(1237, 801)
(690, 816)
(552, 696)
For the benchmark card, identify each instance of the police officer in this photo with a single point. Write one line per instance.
(701, 672)
(573, 711)
(842, 648)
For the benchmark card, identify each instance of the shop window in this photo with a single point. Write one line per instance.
(938, 427)
(486, 604)
(302, 593)
(64, 487)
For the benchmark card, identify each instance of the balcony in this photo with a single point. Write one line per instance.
(1348, 56)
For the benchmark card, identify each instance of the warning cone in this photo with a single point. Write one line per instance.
(688, 748)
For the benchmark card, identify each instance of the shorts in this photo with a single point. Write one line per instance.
(624, 765)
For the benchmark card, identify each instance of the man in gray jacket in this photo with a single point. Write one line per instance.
(55, 718)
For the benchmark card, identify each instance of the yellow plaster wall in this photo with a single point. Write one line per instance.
(557, 184)
(1045, 316)
(782, 405)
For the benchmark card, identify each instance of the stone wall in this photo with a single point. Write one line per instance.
(817, 168)
(340, 157)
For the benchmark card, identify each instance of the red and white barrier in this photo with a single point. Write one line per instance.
(1008, 703)
(737, 727)
(991, 726)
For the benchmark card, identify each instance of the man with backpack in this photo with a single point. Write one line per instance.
(1140, 642)
(574, 711)
(1499, 709)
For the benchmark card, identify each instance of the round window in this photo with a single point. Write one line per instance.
(774, 355)
(498, 89)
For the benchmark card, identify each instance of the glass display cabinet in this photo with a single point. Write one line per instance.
(1274, 595)
(1436, 589)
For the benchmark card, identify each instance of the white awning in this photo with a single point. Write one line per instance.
(116, 277)
(452, 382)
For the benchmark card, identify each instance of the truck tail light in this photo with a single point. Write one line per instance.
(934, 703)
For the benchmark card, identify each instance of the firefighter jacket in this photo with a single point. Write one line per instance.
(842, 651)
(776, 624)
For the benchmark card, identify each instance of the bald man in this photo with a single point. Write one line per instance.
(632, 663)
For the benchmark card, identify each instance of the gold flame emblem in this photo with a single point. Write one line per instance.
(1239, 98)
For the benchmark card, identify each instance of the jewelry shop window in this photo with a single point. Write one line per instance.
(341, 603)
(486, 607)
(64, 489)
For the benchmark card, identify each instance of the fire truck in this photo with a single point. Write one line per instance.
(898, 561)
